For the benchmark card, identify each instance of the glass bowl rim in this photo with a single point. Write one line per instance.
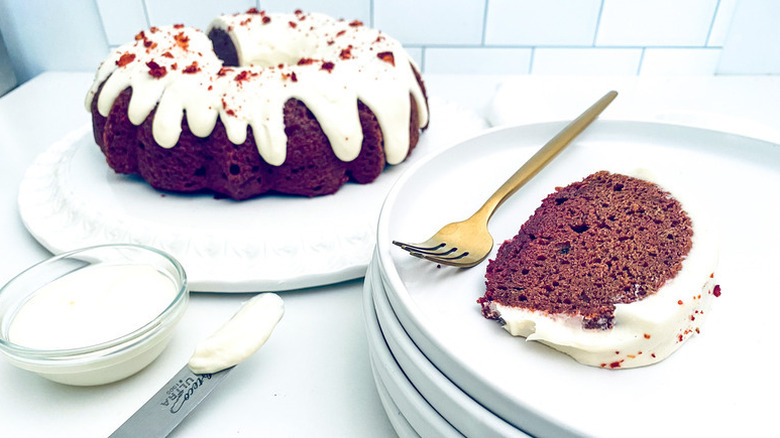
(112, 346)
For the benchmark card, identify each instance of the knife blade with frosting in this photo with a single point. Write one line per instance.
(214, 358)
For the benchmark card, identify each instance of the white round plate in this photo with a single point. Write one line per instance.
(466, 415)
(397, 419)
(423, 419)
(714, 385)
(69, 198)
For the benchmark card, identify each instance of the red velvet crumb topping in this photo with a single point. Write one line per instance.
(156, 70)
(192, 68)
(125, 59)
(346, 53)
(182, 40)
(327, 65)
(243, 76)
(387, 57)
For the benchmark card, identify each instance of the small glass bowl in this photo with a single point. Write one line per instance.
(104, 362)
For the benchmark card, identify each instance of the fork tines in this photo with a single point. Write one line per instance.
(437, 253)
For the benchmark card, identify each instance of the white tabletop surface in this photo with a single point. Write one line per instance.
(313, 377)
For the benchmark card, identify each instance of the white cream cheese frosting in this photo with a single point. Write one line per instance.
(327, 64)
(239, 337)
(92, 305)
(645, 331)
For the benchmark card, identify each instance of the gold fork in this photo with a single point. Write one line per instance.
(465, 244)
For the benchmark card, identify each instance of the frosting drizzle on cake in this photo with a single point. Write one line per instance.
(327, 64)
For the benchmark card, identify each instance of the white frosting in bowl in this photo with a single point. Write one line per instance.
(94, 315)
(92, 305)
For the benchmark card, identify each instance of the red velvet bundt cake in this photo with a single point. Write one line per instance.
(610, 270)
(288, 103)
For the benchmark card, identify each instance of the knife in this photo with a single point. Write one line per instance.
(212, 362)
(166, 409)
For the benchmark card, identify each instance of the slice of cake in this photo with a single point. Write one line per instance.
(611, 270)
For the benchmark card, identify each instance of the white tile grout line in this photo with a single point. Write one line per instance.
(146, 13)
(484, 22)
(552, 46)
(102, 25)
(598, 23)
(641, 61)
(712, 23)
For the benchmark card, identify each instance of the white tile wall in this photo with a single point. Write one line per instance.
(721, 23)
(478, 60)
(643, 23)
(586, 61)
(752, 45)
(622, 37)
(7, 75)
(192, 13)
(126, 19)
(346, 9)
(542, 23)
(662, 61)
(41, 35)
(431, 22)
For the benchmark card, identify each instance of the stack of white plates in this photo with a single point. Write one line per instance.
(419, 398)
(443, 370)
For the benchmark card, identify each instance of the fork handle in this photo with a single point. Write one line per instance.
(544, 155)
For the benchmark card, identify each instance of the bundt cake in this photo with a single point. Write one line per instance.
(288, 103)
(610, 270)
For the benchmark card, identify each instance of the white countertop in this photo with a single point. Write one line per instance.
(313, 376)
